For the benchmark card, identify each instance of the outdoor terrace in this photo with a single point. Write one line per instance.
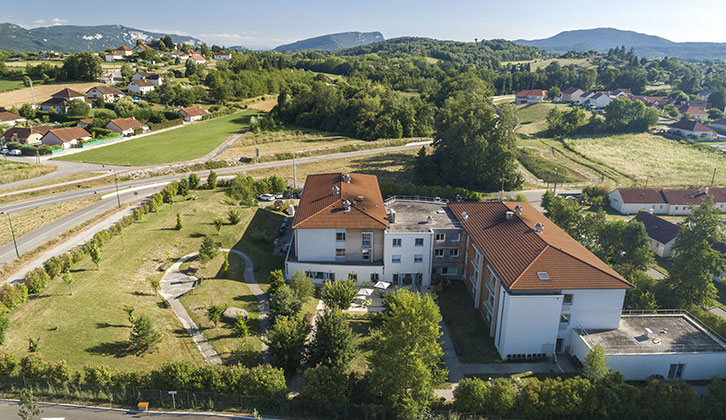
(413, 212)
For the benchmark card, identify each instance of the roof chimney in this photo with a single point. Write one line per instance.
(429, 219)
(346, 206)
(393, 216)
(650, 211)
(706, 190)
(464, 215)
(539, 227)
(346, 178)
(336, 190)
(510, 214)
(518, 209)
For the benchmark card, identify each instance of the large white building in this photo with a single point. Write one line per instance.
(674, 202)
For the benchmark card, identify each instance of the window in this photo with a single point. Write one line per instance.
(396, 259)
(564, 318)
(340, 253)
(456, 237)
(439, 252)
(374, 277)
(440, 237)
(418, 258)
(395, 279)
(568, 300)
(419, 241)
(676, 371)
(340, 236)
(353, 276)
(367, 239)
(396, 242)
(448, 271)
(366, 255)
(454, 252)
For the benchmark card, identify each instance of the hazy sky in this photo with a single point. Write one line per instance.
(268, 23)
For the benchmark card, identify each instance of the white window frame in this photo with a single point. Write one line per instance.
(454, 252)
(337, 253)
(439, 253)
(440, 237)
(338, 234)
(397, 242)
(421, 240)
(395, 259)
(418, 258)
(370, 240)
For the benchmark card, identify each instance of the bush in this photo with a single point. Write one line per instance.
(207, 250)
(32, 366)
(284, 302)
(339, 294)
(13, 295)
(302, 285)
(4, 325)
(97, 375)
(246, 354)
(234, 216)
(286, 341)
(8, 364)
(326, 388)
(240, 327)
(36, 280)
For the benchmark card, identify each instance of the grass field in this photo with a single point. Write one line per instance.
(26, 221)
(182, 144)
(8, 85)
(285, 141)
(262, 103)
(362, 328)
(22, 96)
(11, 171)
(668, 163)
(545, 169)
(532, 118)
(466, 327)
(540, 64)
(91, 327)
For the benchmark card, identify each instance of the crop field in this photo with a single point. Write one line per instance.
(22, 96)
(668, 163)
(182, 144)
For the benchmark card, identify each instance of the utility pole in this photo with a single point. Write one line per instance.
(294, 178)
(115, 181)
(713, 177)
(12, 231)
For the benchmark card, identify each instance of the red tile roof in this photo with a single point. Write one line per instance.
(193, 111)
(106, 90)
(690, 125)
(123, 48)
(9, 116)
(694, 196)
(67, 93)
(319, 208)
(531, 92)
(69, 133)
(642, 195)
(518, 253)
(126, 123)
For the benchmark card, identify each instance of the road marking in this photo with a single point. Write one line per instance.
(142, 187)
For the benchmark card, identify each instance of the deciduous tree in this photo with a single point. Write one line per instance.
(286, 341)
(332, 344)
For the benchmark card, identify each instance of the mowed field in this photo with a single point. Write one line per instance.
(668, 163)
(11, 171)
(90, 326)
(26, 221)
(182, 144)
(285, 141)
(540, 64)
(22, 96)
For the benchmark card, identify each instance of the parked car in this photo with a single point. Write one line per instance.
(299, 193)
(279, 196)
(266, 197)
(14, 152)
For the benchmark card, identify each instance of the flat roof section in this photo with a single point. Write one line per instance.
(412, 215)
(677, 333)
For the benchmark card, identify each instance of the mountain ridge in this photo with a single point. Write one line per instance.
(333, 42)
(74, 38)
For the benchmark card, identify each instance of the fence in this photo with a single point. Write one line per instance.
(97, 395)
(99, 141)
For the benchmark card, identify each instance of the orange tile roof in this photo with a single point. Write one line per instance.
(319, 208)
(68, 93)
(531, 92)
(126, 123)
(517, 252)
(193, 111)
(69, 133)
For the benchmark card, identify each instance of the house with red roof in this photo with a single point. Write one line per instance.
(690, 128)
(674, 202)
(530, 96)
(698, 114)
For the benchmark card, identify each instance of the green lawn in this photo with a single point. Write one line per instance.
(532, 117)
(91, 327)
(466, 327)
(668, 163)
(525, 376)
(546, 169)
(7, 85)
(181, 144)
(362, 328)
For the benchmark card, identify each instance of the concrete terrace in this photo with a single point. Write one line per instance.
(412, 214)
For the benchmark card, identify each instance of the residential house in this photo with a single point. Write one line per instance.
(142, 47)
(124, 126)
(704, 105)
(530, 96)
(8, 118)
(572, 94)
(533, 283)
(198, 58)
(620, 93)
(661, 232)
(719, 124)
(690, 128)
(598, 101)
(141, 87)
(67, 137)
(704, 94)
(585, 96)
(59, 101)
(672, 202)
(697, 114)
(25, 135)
(124, 51)
(112, 56)
(192, 113)
(222, 55)
(85, 122)
(107, 93)
(154, 78)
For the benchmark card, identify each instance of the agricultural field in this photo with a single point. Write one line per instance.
(8, 85)
(26, 221)
(89, 326)
(540, 64)
(262, 103)
(11, 171)
(668, 163)
(182, 144)
(22, 96)
(285, 141)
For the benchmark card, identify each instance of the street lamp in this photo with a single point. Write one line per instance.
(115, 181)
(13, 233)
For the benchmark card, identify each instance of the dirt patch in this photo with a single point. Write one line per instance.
(264, 104)
(42, 93)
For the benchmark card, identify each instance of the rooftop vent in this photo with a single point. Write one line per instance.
(346, 178)
(650, 211)
(346, 206)
(336, 190)
(393, 216)
(518, 209)
(464, 215)
(429, 219)
(649, 333)
(543, 276)
(510, 214)
(539, 227)
(359, 198)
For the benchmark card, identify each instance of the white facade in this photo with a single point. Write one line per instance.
(405, 262)
(599, 102)
(543, 324)
(689, 133)
(617, 203)
(331, 271)
(324, 244)
(662, 250)
(140, 90)
(222, 56)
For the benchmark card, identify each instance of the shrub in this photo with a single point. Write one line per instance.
(32, 366)
(77, 255)
(266, 381)
(284, 302)
(327, 388)
(8, 364)
(212, 180)
(277, 279)
(13, 295)
(193, 181)
(214, 313)
(179, 225)
(240, 327)
(207, 250)
(144, 337)
(302, 285)
(234, 216)
(36, 280)
(339, 294)
(97, 375)
(286, 341)
(4, 325)
(246, 354)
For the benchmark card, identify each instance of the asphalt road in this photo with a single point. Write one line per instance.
(9, 410)
(130, 191)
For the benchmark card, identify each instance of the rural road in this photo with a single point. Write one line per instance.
(64, 168)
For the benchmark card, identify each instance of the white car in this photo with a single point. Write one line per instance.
(14, 152)
(266, 197)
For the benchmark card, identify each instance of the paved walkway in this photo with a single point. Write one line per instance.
(174, 284)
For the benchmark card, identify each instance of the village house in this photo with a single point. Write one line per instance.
(124, 51)
(107, 93)
(673, 202)
(192, 113)
(142, 47)
(85, 122)
(719, 124)
(222, 55)
(572, 94)
(598, 101)
(58, 102)
(112, 56)
(67, 137)
(697, 114)
(661, 232)
(7, 118)
(197, 58)
(141, 87)
(25, 135)
(125, 126)
(585, 96)
(530, 96)
(690, 128)
(153, 78)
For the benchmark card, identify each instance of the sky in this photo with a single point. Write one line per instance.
(268, 23)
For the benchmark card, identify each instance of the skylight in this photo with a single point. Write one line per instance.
(543, 276)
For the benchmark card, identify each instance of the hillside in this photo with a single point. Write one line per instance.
(333, 42)
(603, 39)
(69, 38)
